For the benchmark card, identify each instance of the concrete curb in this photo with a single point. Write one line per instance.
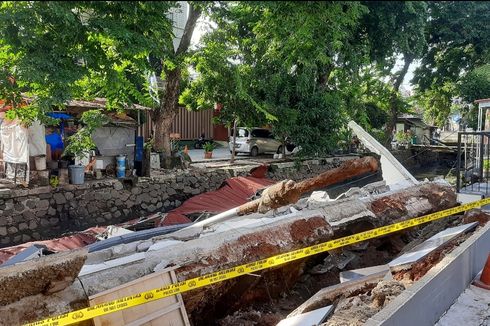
(425, 302)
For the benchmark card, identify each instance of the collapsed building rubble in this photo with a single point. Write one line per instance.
(247, 239)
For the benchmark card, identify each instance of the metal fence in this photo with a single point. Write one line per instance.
(188, 124)
(473, 166)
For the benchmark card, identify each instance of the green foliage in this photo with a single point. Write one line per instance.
(437, 103)
(458, 35)
(403, 137)
(476, 84)
(81, 142)
(148, 146)
(486, 164)
(392, 28)
(455, 63)
(345, 138)
(208, 147)
(54, 181)
(304, 68)
(58, 50)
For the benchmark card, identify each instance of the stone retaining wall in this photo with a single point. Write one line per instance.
(44, 212)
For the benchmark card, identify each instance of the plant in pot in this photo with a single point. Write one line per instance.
(80, 143)
(208, 150)
(403, 139)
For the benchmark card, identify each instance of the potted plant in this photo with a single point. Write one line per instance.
(80, 144)
(208, 150)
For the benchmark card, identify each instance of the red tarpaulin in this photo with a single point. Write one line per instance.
(234, 192)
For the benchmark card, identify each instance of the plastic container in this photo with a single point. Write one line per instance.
(77, 174)
(53, 165)
(40, 162)
(121, 166)
(99, 164)
(63, 164)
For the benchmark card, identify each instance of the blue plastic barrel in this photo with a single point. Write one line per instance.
(121, 166)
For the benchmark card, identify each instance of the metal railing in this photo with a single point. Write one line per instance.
(473, 166)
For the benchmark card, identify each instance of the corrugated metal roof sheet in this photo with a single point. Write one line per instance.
(74, 241)
(234, 192)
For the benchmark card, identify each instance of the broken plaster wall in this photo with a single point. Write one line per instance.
(43, 212)
(245, 241)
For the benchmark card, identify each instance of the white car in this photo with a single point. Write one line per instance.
(255, 141)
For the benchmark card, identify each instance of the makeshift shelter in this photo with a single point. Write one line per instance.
(414, 123)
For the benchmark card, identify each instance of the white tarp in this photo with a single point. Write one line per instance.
(14, 140)
(15, 149)
(37, 139)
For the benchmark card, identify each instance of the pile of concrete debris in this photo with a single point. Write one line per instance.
(288, 216)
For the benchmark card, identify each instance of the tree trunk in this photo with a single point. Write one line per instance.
(165, 114)
(169, 97)
(233, 151)
(394, 109)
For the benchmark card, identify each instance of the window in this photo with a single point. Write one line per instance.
(260, 133)
(241, 132)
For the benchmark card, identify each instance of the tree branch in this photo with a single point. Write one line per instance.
(190, 25)
(407, 61)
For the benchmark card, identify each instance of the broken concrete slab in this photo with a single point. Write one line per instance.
(46, 274)
(427, 299)
(355, 310)
(312, 318)
(393, 171)
(260, 236)
(355, 274)
(288, 192)
(40, 306)
(331, 294)
(431, 244)
(338, 260)
(93, 268)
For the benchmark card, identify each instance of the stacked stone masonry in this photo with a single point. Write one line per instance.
(44, 213)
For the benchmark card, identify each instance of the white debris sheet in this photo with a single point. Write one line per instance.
(472, 308)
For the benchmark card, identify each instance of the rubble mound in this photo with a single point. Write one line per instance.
(358, 309)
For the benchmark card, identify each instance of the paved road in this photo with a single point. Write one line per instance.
(219, 154)
(223, 153)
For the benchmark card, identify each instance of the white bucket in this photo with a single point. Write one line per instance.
(40, 162)
(99, 164)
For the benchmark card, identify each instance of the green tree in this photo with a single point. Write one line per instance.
(476, 84)
(395, 32)
(306, 67)
(289, 57)
(454, 63)
(60, 50)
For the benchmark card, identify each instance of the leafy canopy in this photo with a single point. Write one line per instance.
(58, 50)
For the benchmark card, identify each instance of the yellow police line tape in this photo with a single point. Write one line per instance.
(197, 282)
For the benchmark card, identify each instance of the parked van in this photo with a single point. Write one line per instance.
(255, 141)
